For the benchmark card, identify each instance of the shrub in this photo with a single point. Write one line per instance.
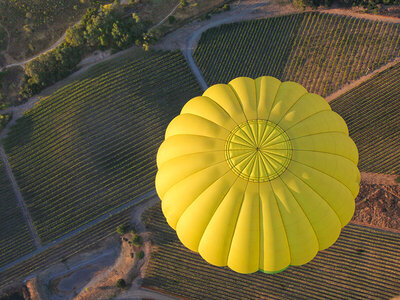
(226, 7)
(120, 283)
(398, 179)
(171, 19)
(140, 255)
(137, 240)
(183, 3)
(123, 228)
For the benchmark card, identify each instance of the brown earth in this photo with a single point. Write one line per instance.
(378, 206)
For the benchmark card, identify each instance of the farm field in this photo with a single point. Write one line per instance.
(318, 50)
(362, 264)
(66, 249)
(15, 239)
(372, 113)
(91, 146)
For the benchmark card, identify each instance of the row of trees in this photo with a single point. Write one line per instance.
(106, 27)
(368, 4)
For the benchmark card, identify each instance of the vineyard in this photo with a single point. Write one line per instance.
(91, 146)
(15, 239)
(64, 250)
(362, 264)
(320, 51)
(375, 127)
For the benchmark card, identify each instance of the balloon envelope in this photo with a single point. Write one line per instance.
(257, 175)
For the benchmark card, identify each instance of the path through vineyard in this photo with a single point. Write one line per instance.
(20, 199)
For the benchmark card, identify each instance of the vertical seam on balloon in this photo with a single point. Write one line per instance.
(197, 116)
(222, 200)
(309, 116)
(334, 211)
(317, 192)
(241, 106)
(272, 106)
(301, 136)
(223, 109)
(237, 125)
(302, 210)
(326, 175)
(260, 230)
(236, 222)
(208, 166)
(297, 100)
(283, 223)
(236, 177)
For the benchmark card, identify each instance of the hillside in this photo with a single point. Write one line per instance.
(372, 113)
(15, 239)
(91, 146)
(320, 51)
(362, 264)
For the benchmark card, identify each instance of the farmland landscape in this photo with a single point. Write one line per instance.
(83, 153)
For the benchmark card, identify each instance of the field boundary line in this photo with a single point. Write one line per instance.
(94, 222)
(355, 83)
(194, 37)
(20, 199)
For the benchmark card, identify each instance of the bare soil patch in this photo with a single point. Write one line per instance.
(378, 206)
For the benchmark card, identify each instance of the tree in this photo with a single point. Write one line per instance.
(140, 255)
(123, 228)
(120, 283)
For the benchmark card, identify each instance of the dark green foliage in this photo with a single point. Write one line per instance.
(123, 228)
(183, 3)
(103, 28)
(226, 7)
(49, 68)
(171, 19)
(140, 255)
(3, 39)
(398, 179)
(368, 4)
(4, 119)
(137, 240)
(120, 283)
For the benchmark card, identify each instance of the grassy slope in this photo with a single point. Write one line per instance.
(91, 146)
(320, 51)
(372, 113)
(362, 264)
(15, 239)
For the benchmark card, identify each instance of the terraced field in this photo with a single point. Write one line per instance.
(91, 146)
(372, 113)
(321, 51)
(15, 239)
(64, 250)
(362, 264)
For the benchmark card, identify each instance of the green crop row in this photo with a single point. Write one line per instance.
(15, 239)
(91, 146)
(372, 113)
(362, 264)
(321, 51)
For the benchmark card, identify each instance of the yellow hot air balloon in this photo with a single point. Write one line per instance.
(257, 175)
